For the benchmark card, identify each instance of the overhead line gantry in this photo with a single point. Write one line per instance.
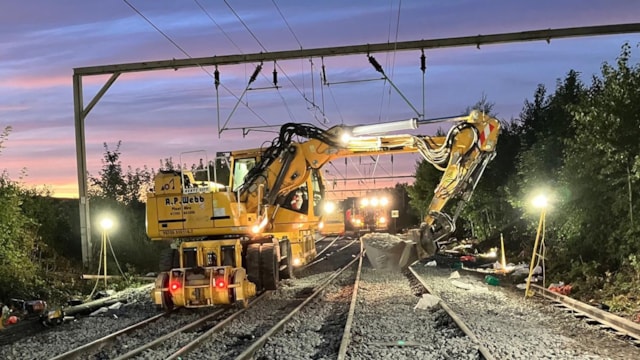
(81, 111)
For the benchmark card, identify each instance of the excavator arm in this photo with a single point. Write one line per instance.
(462, 154)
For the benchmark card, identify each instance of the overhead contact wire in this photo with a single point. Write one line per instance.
(190, 57)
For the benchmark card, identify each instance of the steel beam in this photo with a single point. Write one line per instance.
(476, 40)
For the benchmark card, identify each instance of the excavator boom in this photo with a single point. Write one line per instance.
(462, 155)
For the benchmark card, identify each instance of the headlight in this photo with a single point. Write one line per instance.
(329, 207)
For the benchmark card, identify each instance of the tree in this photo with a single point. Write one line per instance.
(3, 136)
(18, 239)
(119, 195)
(113, 183)
(601, 168)
(421, 192)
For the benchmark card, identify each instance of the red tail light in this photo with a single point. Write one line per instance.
(174, 286)
(220, 283)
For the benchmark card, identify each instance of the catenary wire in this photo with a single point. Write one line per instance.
(190, 57)
(265, 49)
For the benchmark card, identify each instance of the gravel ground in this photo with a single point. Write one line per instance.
(505, 323)
(514, 328)
(54, 341)
(385, 317)
(315, 332)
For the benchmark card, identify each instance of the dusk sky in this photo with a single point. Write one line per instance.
(160, 114)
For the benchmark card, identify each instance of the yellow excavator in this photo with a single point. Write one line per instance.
(233, 240)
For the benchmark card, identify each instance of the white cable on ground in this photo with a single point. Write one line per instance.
(116, 260)
(98, 278)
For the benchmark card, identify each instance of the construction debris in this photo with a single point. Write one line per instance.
(427, 301)
(386, 251)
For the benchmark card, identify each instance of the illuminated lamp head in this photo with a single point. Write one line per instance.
(174, 286)
(257, 229)
(329, 207)
(220, 283)
(345, 137)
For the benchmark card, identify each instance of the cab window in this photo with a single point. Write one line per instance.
(318, 192)
(298, 200)
(240, 169)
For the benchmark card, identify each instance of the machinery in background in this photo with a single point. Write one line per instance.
(333, 219)
(237, 237)
(370, 213)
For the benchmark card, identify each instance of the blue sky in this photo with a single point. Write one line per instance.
(160, 114)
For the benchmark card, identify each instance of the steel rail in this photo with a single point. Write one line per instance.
(346, 335)
(328, 246)
(75, 353)
(194, 344)
(324, 258)
(456, 318)
(170, 335)
(623, 326)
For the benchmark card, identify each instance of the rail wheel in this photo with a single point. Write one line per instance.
(287, 272)
(238, 279)
(162, 282)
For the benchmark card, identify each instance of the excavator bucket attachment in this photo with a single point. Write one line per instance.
(389, 252)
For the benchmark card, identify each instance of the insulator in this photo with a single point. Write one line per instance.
(376, 65)
(324, 75)
(423, 62)
(255, 73)
(216, 77)
(275, 75)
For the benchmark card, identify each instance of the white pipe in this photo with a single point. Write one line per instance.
(383, 128)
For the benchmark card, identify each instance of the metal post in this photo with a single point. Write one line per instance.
(85, 224)
(104, 256)
(535, 251)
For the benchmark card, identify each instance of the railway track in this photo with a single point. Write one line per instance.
(98, 344)
(483, 352)
(401, 346)
(130, 341)
(511, 326)
(362, 313)
(177, 338)
(258, 325)
(337, 243)
(620, 327)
